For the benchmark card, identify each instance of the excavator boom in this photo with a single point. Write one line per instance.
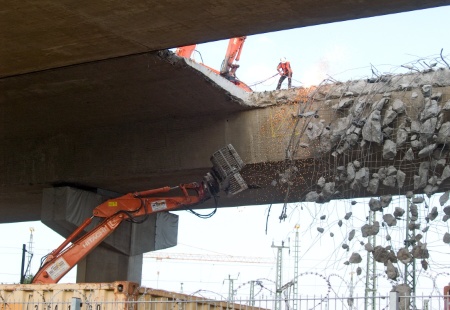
(224, 175)
(229, 64)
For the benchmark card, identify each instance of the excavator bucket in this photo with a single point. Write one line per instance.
(226, 167)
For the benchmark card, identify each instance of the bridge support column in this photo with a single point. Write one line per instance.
(120, 256)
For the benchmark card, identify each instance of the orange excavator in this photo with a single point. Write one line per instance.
(136, 207)
(229, 64)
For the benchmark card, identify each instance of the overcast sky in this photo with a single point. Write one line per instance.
(343, 51)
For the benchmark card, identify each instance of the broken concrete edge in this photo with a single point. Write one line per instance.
(236, 93)
(239, 95)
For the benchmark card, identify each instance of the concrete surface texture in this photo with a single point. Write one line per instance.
(53, 34)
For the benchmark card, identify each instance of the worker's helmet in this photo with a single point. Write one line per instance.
(283, 60)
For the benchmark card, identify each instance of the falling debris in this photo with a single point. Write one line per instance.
(351, 235)
(320, 229)
(355, 258)
(391, 271)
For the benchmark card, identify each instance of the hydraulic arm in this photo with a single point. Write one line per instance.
(136, 207)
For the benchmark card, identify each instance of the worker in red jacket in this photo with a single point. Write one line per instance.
(285, 70)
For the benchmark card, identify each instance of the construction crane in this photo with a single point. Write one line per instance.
(210, 258)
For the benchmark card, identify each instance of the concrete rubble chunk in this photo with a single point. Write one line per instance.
(420, 251)
(401, 176)
(391, 170)
(414, 211)
(443, 136)
(355, 258)
(428, 127)
(438, 164)
(428, 190)
(398, 106)
(446, 106)
(418, 199)
(373, 185)
(404, 256)
(390, 181)
(325, 144)
(345, 103)
(351, 235)
(445, 173)
(339, 128)
(345, 246)
(358, 271)
(423, 173)
(314, 130)
(445, 218)
(320, 229)
(379, 104)
(416, 182)
(409, 155)
(427, 151)
(311, 196)
(398, 212)
(433, 214)
(415, 127)
(433, 180)
(385, 200)
(368, 247)
(414, 95)
(350, 172)
(382, 173)
(328, 190)
(389, 220)
(381, 254)
(389, 117)
(424, 264)
(436, 96)
(425, 229)
(348, 215)
(374, 204)
(444, 198)
(371, 131)
(413, 226)
(431, 109)
(362, 177)
(426, 90)
(402, 136)
(370, 230)
(446, 238)
(323, 217)
(321, 182)
(356, 164)
(340, 223)
(404, 293)
(358, 108)
(389, 150)
(446, 210)
(331, 234)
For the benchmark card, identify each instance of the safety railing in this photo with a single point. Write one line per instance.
(391, 302)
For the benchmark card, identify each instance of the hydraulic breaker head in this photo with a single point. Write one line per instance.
(225, 174)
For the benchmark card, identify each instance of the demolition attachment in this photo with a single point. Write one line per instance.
(225, 172)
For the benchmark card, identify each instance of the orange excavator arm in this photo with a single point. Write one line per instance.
(229, 64)
(114, 211)
(136, 207)
(185, 51)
